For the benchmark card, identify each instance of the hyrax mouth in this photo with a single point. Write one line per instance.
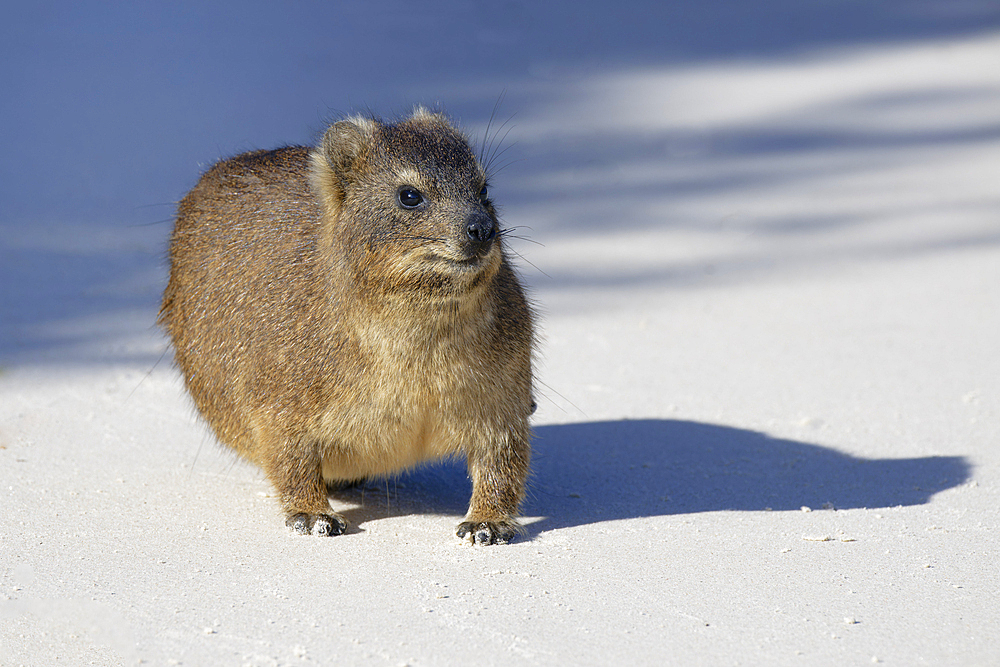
(473, 248)
(457, 260)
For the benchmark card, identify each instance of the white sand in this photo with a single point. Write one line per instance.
(769, 384)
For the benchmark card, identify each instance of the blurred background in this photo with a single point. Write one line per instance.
(645, 145)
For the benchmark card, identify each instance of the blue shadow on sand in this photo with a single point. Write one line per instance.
(589, 472)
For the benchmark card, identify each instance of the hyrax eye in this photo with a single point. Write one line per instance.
(484, 194)
(409, 198)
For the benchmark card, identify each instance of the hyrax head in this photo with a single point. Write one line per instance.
(409, 204)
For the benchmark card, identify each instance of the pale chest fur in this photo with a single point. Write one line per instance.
(426, 389)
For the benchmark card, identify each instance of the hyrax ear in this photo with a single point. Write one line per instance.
(345, 141)
(422, 113)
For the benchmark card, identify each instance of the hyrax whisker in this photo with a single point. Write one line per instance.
(496, 152)
(486, 135)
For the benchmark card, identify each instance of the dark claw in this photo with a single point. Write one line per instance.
(486, 532)
(323, 525)
(298, 523)
(328, 526)
(484, 536)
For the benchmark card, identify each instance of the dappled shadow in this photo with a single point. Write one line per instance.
(590, 472)
(750, 266)
(163, 115)
(64, 306)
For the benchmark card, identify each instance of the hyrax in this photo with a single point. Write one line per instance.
(348, 311)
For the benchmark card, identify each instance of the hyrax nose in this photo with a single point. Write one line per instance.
(481, 230)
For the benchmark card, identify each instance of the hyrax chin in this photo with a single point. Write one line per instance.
(348, 311)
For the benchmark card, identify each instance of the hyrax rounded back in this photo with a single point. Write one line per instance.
(348, 311)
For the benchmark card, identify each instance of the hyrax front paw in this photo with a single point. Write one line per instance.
(488, 532)
(323, 525)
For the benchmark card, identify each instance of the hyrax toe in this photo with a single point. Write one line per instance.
(488, 532)
(322, 525)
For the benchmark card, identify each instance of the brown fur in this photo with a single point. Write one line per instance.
(328, 334)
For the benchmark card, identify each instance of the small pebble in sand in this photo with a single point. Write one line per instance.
(817, 538)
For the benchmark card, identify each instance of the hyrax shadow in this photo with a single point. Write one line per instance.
(590, 472)
(349, 311)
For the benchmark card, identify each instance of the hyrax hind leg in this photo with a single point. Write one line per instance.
(498, 476)
(296, 472)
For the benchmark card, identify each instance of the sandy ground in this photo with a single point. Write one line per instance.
(766, 252)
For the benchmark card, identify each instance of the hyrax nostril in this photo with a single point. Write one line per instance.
(481, 229)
